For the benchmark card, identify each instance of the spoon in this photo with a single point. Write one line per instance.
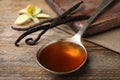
(64, 56)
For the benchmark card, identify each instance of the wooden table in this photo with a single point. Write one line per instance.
(19, 63)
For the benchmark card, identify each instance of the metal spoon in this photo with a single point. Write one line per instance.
(76, 39)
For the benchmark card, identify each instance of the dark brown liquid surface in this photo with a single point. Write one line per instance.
(62, 56)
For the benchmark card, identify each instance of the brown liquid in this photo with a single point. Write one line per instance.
(62, 56)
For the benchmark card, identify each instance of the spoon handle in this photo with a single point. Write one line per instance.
(102, 6)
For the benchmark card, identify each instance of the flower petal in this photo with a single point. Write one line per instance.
(37, 10)
(36, 20)
(23, 11)
(41, 15)
(22, 19)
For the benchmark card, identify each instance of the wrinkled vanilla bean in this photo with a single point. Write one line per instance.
(32, 26)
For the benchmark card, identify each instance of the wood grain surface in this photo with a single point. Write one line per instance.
(19, 63)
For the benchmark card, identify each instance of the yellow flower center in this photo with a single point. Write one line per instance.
(30, 9)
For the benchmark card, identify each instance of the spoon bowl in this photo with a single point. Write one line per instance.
(67, 55)
(79, 56)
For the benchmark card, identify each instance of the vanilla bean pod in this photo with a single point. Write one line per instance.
(69, 11)
(32, 26)
(70, 19)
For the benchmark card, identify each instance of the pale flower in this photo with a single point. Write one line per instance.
(30, 13)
